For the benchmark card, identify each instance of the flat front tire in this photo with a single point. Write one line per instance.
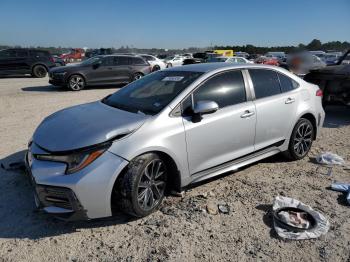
(143, 185)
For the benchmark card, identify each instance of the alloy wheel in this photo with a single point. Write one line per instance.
(303, 139)
(152, 185)
(76, 83)
(137, 76)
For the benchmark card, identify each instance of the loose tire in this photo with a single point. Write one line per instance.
(76, 83)
(137, 76)
(143, 185)
(301, 139)
(39, 71)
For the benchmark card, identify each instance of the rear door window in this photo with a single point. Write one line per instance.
(287, 84)
(22, 53)
(266, 82)
(121, 60)
(225, 89)
(138, 61)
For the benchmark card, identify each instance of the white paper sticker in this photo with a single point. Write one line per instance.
(173, 78)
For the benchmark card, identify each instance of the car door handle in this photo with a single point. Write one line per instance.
(247, 113)
(290, 100)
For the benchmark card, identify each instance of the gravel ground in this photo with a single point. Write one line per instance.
(180, 231)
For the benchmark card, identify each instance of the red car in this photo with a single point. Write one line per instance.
(76, 54)
(267, 61)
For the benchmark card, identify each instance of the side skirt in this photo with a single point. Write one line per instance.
(236, 163)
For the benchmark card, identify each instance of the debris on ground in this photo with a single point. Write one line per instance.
(292, 224)
(342, 187)
(177, 193)
(329, 158)
(212, 208)
(224, 208)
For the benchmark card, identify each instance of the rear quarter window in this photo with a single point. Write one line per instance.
(287, 84)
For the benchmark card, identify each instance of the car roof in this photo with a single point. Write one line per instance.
(207, 67)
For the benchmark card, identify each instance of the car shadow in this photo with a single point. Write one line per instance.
(15, 76)
(337, 116)
(268, 218)
(20, 219)
(52, 88)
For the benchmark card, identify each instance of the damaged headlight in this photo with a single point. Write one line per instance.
(77, 160)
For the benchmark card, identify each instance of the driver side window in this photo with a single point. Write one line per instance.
(226, 89)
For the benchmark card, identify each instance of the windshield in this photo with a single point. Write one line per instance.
(152, 93)
(91, 60)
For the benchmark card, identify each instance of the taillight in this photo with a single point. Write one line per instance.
(319, 92)
(51, 59)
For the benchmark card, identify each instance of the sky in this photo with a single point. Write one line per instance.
(172, 23)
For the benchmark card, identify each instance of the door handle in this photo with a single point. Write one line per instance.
(290, 100)
(247, 113)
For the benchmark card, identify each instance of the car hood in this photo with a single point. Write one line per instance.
(84, 125)
(334, 69)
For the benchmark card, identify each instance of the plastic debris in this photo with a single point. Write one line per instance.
(295, 219)
(320, 228)
(329, 158)
(212, 208)
(224, 208)
(342, 187)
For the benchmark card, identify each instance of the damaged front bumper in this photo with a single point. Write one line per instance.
(83, 195)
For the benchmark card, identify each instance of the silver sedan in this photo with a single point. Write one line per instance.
(165, 131)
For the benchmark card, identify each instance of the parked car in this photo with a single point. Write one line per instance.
(100, 70)
(58, 61)
(174, 61)
(165, 131)
(96, 52)
(238, 60)
(302, 63)
(216, 59)
(267, 60)
(332, 58)
(190, 61)
(75, 54)
(155, 62)
(334, 81)
(22, 61)
(281, 56)
(242, 54)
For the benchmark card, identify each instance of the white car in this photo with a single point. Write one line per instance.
(238, 60)
(175, 61)
(155, 62)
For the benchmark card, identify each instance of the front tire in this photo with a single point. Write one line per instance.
(143, 185)
(301, 140)
(155, 68)
(137, 76)
(39, 71)
(76, 83)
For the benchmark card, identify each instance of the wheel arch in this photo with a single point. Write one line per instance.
(79, 74)
(309, 116)
(174, 178)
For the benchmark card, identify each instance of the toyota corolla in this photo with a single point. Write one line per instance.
(165, 131)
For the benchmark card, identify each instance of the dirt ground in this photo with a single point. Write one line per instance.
(180, 231)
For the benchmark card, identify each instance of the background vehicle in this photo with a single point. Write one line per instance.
(238, 60)
(76, 54)
(119, 158)
(242, 54)
(58, 61)
(96, 52)
(281, 56)
(332, 58)
(334, 81)
(174, 61)
(267, 60)
(224, 52)
(25, 61)
(100, 70)
(155, 62)
(190, 61)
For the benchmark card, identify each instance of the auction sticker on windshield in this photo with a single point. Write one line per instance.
(173, 78)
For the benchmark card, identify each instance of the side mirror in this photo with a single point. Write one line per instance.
(205, 107)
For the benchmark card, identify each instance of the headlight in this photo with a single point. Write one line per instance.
(76, 161)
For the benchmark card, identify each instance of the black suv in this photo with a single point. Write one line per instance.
(100, 70)
(25, 61)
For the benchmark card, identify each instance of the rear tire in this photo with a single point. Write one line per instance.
(143, 185)
(39, 71)
(301, 140)
(76, 83)
(155, 68)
